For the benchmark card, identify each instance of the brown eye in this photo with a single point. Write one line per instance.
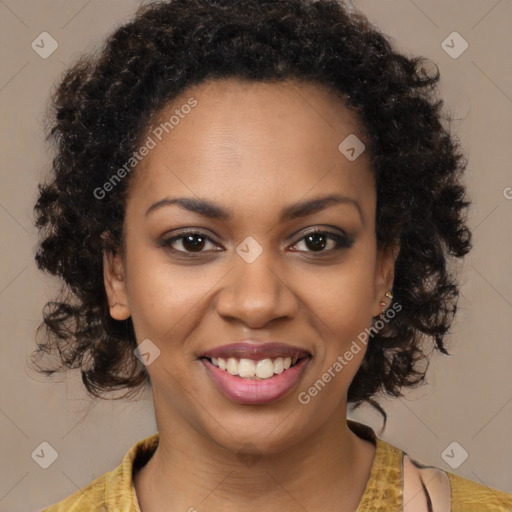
(192, 242)
(316, 241)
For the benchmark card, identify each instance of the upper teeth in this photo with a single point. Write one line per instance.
(246, 368)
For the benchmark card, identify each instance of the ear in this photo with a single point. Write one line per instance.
(384, 276)
(115, 285)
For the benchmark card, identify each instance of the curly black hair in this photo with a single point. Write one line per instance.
(106, 101)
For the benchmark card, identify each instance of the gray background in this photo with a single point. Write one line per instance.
(468, 399)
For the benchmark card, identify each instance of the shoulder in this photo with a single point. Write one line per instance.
(88, 499)
(114, 489)
(416, 486)
(469, 495)
(432, 488)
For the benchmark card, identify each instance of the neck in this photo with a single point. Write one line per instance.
(327, 470)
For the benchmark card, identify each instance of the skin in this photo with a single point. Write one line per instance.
(254, 149)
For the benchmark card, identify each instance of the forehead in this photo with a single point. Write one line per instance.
(234, 140)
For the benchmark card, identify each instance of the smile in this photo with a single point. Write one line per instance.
(249, 381)
(250, 369)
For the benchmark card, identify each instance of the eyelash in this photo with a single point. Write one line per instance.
(342, 242)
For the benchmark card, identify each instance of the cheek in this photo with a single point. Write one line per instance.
(343, 299)
(156, 291)
(166, 300)
(342, 314)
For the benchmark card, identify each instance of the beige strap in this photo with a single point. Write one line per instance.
(426, 488)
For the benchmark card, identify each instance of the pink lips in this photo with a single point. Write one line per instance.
(255, 391)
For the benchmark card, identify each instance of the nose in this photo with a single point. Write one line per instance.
(256, 294)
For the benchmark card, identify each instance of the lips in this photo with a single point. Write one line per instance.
(222, 363)
(256, 351)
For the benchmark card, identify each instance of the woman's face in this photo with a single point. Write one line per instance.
(265, 155)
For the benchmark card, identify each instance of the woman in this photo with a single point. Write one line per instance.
(254, 204)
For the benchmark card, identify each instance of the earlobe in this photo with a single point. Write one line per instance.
(384, 277)
(389, 295)
(115, 286)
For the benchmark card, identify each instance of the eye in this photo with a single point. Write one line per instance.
(317, 240)
(190, 241)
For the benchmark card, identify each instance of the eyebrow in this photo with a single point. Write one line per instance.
(214, 211)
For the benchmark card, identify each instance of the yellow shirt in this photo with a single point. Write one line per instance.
(114, 491)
